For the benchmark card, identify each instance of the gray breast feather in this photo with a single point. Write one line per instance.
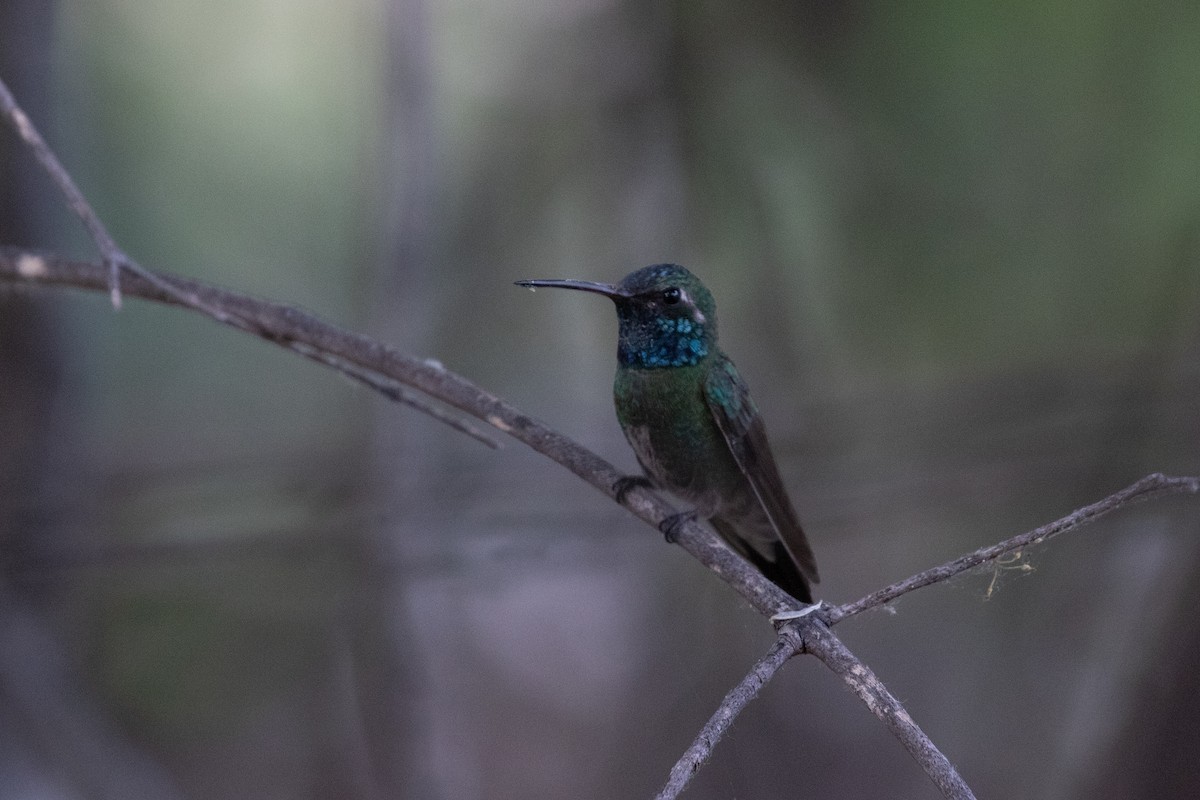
(697, 491)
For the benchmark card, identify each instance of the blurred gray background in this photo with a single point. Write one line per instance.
(956, 251)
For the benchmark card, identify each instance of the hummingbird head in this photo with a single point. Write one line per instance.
(667, 318)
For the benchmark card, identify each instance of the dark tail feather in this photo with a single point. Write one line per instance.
(779, 570)
(783, 572)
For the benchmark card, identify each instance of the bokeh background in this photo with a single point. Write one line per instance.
(956, 249)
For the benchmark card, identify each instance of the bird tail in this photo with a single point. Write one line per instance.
(779, 568)
(784, 573)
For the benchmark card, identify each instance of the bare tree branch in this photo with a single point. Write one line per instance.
(290, 327)
(392, 390)
(302, 332)
(114, 257)
(75, 200)
(814, 637)
(1149, 487)
(786, 645)
(820, 641)
(810, 634)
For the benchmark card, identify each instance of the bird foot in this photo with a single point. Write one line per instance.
(784, 616)
(670, 525)
(622, 485)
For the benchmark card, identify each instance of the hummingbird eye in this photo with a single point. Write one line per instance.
(670, 296)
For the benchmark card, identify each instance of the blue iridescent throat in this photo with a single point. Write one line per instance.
(662, 342)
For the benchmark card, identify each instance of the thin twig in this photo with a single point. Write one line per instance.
(392, 390)
(234, 310)
(1151, 486)
(821, 642)
(115, 259)
(786, 645)
(840, 660)
(28, 132)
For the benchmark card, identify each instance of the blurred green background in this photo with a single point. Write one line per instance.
(956, 251)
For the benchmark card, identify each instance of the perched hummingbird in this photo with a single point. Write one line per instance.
(689, 417)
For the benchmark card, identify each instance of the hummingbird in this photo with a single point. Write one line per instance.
(692, 424)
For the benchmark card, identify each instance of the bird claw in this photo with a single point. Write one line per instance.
(669, 527)
(623, 484)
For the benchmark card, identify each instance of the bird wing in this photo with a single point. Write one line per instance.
(733, 410)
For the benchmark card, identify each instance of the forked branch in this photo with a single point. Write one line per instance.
(813, 636)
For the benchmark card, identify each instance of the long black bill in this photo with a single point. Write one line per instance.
(606, 289)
